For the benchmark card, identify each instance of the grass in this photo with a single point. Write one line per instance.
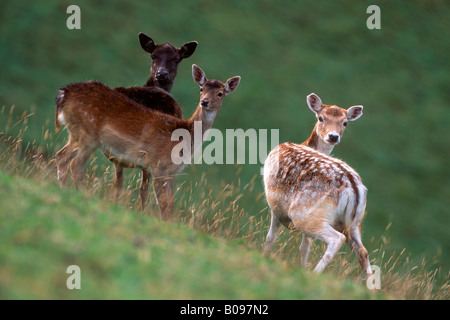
(124, 255)
(212, 249)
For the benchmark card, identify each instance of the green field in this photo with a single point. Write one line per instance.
(283, 51)
(128, 256)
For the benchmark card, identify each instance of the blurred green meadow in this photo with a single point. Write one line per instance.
(283, 50)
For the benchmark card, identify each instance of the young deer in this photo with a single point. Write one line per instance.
(315, 193)
(155, 93)
(99, 117)
(331, 123)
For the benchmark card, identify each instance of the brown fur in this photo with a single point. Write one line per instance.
(333, 119)
(155, 94)
(153, 98)
(165, 60)
(97, 116)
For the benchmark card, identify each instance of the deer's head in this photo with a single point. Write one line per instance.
(212, 92)
(165, 60)
(331, 120)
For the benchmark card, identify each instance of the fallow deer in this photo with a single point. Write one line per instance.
(98, 117)
(155, 94)
(312, 192)
(330, 125)
(163, 70)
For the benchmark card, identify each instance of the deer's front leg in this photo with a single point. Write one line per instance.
(304, 249)
(118, 182)
(164, 195)
(272, 235)
(144, 187)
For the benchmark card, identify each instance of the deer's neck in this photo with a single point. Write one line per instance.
(201, 121)
(316, 143)
(203, 117)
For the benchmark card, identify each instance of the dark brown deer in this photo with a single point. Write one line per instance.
(165, 60)
(155, 94)
(98, 117)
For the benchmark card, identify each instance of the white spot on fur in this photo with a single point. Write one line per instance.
(61, 118)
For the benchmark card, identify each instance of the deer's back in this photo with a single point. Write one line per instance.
(93, 106)
(298, 178)
(153, 98)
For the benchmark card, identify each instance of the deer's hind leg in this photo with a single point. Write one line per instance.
(63, 158)
(334, 241)
(315, 225)
(86, 146)
(355, 243)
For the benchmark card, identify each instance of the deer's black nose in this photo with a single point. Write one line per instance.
(205, 102)
(333, 137)
(162, 74)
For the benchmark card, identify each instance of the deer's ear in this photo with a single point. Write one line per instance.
(198, 75)
(188, 49)
(354, 113)
(232, 84)
(314, 103)
(146, 42)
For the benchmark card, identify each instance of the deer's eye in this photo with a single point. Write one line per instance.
(320, 119)
(345, 123)
(220, 94)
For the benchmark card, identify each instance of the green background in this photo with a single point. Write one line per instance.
(283, 50)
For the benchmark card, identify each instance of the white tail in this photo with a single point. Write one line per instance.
(317, 194)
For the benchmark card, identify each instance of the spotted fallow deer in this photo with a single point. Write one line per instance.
(98, 117)
(155, 94)
(310, 191)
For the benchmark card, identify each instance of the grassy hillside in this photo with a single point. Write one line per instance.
(283, 51)
(124, 255)
(211, 250)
